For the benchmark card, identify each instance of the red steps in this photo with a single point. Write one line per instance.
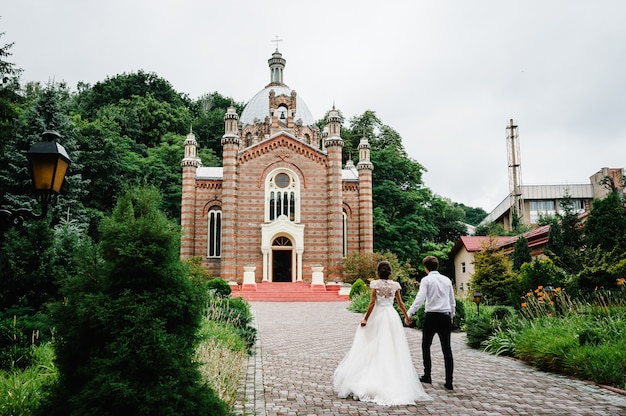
(289, 292)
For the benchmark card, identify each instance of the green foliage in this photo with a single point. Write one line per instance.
(28, 264)
(579, 337)
(126, 342)
(565, 238)
(220, 287)
(233, 316)
(364, 266)
(126, 86)
(598, 265)
(22, 391)
(408, 217)
(20, 329)
(359, 303)
(473, 216)
(490, 228)
(196, 270)
(606, 225)
(479, 329)
(358, 288)
(540, 272)
(521, 253)
(493, 276)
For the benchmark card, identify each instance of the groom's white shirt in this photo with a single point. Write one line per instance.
(436, 290)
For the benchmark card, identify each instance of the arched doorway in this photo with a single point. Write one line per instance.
(282, 260)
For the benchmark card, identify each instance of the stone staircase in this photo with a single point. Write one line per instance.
(289, 292)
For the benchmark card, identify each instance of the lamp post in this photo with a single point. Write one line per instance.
(549, 291)
(47, 162)
(477, 298)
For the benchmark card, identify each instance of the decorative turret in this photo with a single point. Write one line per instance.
(364, 155)
(277, 65)
(333, 124)
(231, 132)
(191, 159)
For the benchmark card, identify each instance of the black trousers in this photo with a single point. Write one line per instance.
(440, 324)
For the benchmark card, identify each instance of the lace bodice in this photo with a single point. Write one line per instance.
(385, 291)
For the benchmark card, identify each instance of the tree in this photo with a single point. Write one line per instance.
(604, 235)
(493, 276)
(565, 238)
(124, 87)
(126, 334)
(208, 124)
(606, 225)
(10, 100)
(540, 272)
(473, 216)
(521, 253)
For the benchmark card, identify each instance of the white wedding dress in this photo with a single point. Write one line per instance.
(378, 367)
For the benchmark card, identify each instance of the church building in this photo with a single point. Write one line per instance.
(282, 208)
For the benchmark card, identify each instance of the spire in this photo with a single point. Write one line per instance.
(277, 65)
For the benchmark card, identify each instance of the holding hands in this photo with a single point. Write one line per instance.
(407, 320)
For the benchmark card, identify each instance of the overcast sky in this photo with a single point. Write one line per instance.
(447, 75)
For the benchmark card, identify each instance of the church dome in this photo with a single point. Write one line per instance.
(259, 106)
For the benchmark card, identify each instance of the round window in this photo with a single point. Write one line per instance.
(282, 180)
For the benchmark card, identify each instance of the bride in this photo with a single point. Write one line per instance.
(378, 367)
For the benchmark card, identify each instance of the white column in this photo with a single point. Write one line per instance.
(299, 265)
(266, 264)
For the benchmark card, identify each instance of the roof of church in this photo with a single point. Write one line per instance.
(217, 173)
(258, 106)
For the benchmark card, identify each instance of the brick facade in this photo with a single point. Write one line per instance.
(286, 203)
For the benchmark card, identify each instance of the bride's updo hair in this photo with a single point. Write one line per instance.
(384, 270)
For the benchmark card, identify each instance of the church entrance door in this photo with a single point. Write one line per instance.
(281, 266)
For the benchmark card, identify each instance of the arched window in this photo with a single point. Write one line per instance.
(214, 237)
(282, 190)
(282, 113)
(345, 234)
(248, 139)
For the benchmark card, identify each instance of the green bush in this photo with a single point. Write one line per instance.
(479, 329)
(20, 328)
(220, 287)
(358, 288)
(126, 339)
(604, 363)
(359, 303)
(234, 312)
(546, 344)
(22, 390)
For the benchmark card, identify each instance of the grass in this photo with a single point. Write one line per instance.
(584, 338)
(21, 390)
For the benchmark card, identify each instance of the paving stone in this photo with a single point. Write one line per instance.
(301, 343)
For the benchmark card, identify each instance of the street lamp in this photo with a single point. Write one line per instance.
(47, 162)
(477, 298)
(549, 291)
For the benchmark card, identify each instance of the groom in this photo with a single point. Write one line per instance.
(436, 290)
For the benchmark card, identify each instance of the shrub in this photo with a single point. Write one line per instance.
(479, 329)
(235, 313)
(126, 344)
(359, 303)
(358, 288)
(22, 390)
(220, 287)
(364, 266)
